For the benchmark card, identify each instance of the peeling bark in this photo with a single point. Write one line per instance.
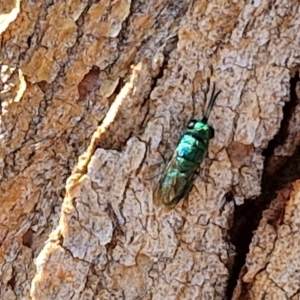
(94, 96)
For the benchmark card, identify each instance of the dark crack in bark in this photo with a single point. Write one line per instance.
(275, 177)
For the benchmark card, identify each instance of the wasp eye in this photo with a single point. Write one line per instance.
(191, 124)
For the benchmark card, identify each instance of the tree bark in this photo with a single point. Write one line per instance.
(94, 97)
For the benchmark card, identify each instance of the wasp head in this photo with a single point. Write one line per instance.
(200, 129)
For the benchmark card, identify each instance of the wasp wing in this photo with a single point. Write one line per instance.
(175, 182)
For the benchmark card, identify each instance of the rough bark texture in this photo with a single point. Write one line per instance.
(94, 96)
(271, 269)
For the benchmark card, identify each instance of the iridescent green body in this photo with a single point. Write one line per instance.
(190, 151)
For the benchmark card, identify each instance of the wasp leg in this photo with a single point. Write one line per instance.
(197, 172)
(156, 175)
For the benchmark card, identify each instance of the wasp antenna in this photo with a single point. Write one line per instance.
(212, 93)
(211, 103)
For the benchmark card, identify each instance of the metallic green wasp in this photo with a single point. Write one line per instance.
(178, 176)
